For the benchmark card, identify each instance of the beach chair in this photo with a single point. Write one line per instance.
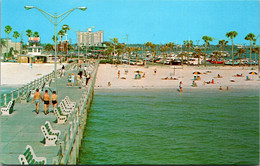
(69, 101)
(61, 118)
(50, 136)
(29, 157)
(69, 104)
(65, 110)
(9, 109)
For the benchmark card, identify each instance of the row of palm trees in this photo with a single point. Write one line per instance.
(222, 44)
(114, 46)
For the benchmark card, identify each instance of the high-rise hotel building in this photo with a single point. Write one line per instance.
(90, 38)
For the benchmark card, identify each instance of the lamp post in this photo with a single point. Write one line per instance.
(55, 23)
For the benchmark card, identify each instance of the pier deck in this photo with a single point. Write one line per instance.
(23, 126)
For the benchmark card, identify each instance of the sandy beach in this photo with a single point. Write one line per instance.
(109, 73)
(16, 74)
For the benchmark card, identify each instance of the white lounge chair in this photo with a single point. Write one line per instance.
(29, 157)
(9, 109)
(50, 136)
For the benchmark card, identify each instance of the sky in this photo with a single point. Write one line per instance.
(157, 21)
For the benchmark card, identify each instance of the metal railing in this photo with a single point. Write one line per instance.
(37, 83)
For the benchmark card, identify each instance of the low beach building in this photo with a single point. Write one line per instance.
(34, 55)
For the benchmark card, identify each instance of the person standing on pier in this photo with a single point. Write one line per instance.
(36, 98)
(46, 100)
(54, 100)
(63, 70)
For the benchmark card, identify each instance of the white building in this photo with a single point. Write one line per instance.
(90, 38)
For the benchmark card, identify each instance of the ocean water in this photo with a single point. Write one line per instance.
(7, 90)
(166, 127)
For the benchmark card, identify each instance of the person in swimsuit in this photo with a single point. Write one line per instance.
(46, 100)
(180, 86)
(72, 79)
(36, 98)
(69, 79)
(54, 100)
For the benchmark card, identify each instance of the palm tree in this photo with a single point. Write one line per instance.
(250, 37)
(256, 50)
(61, 33)
(53, 38)
(216, 55)
(163, 49)
(198, 52)
(188, 44)
(148, 45)
(36, 34)
(206, 39)
(239, 54)
(232, 35)
(8, 29)
(29, 32)
(114, 43)
(16, 35)
(153, 50)
(136, 49)
(221, 45)
(129, 50)
(48, 47)
(170, 45)
(65, 28)
(182, 54)
(120, 49)
(3, 43)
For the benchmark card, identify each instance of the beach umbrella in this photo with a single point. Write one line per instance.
(253, 73)
(197, 72)
(138, 71)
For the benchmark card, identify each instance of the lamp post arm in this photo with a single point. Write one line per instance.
(46, 14)
(64, 16)
(67, 12)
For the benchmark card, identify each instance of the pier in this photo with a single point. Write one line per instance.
(23, 126)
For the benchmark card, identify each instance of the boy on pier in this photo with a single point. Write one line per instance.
(46, 100)
(36, 98)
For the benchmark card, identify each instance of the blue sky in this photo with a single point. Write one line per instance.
(158, 21)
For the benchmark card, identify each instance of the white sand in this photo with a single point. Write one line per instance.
(20, 74)
(107, 72)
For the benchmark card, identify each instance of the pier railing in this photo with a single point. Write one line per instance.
(77, 120)
(33, 85)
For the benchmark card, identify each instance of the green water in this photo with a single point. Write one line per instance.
(166, 127)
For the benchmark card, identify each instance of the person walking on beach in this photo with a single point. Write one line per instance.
(118, 73)
(72, 79)
(155, 71)
(69, 79)
(180, 86)
(54, 100)
(36, 98)
(46, 101)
